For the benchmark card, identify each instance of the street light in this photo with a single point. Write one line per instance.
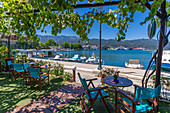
(100, 66)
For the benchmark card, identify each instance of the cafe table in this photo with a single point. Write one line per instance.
(123, 82)
(47, 67)
(32, 63)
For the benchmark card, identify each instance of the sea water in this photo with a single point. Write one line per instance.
(115, 57)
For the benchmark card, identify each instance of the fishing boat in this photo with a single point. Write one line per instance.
(93, 59)
(58, 57)
(75, 58)
(134, 64)
(83, 59)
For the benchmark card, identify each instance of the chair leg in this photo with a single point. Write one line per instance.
(80, 98)
(30, 81)
(40, 85)
(14, 76)
(105, 105)
(9, 75)
(92, 103)
(48, 80)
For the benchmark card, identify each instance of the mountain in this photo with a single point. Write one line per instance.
(144, 43)
(59, 39)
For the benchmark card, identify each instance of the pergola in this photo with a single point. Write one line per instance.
(161, 14)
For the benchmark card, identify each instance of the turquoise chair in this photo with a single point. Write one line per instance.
(10, 68)
(134, 104)
(26, 66)
(38, 77)
(18, 70)
(92, 94)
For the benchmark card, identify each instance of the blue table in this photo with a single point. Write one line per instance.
(123, 82)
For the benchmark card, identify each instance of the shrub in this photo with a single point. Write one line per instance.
(58, 70)
(67, 76)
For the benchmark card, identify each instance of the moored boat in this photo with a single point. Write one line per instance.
(93, 59)
(58, 57)
(75, 58)
(134, 64)
(165, 65)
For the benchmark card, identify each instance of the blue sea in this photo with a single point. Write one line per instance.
(115, 57)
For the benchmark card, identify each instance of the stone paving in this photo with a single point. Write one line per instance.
(52, 101)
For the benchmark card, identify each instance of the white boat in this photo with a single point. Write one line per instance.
(92, 59)
(134, 64)
(165, 65)
(58, 57)
(83, 58)
(75, 58)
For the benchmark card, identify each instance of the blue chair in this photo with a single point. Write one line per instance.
(26, 66)
(92, 94)
(38, 77)
(18, 70)
(10, 68)
(134, 104)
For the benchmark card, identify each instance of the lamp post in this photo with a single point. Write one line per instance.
(100, 66)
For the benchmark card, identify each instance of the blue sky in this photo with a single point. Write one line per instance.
(135, 31)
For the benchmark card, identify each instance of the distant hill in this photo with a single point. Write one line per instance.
(144, 43)
(59, 39)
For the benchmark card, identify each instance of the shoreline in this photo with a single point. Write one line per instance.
(89, 71)
(93, 67)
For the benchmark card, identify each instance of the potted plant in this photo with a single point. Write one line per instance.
(116, 74)
(106, 72)
(49, 64)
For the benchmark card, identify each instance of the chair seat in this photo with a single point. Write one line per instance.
(19, 70)
(93, 94)
(39, 77)
(139, 108)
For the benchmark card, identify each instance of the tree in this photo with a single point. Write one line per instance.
(65, 45)
(50, 42)
(71, 45)
(1, 43)
(41, 45)
(77, 46)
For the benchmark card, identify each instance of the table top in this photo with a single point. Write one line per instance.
(32, 63)
(123, 82)
(9, 58)
(46, 66)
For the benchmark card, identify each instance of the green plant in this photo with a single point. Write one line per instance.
(30, 60)
(163, 80)
(108, 72)
(49, 64)
(67, 76)
(58, 70)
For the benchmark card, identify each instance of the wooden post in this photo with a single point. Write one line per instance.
(0, 67)
(74, 73)
(160, 50)
(9, 47)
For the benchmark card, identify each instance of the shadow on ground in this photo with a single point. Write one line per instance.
(14, 93)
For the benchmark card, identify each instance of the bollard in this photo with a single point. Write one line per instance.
(74, 73)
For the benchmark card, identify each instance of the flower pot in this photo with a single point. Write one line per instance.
(116, 81)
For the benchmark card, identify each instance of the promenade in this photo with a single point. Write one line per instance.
(89, 71)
